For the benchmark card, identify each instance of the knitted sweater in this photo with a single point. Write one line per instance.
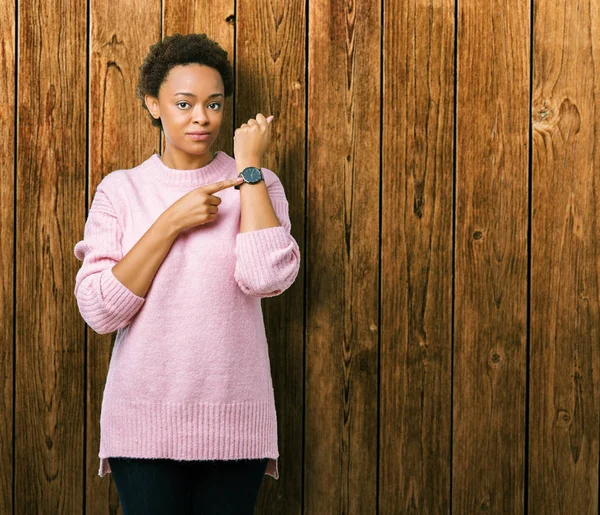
(189, 375)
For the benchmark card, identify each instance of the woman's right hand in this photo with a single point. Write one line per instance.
(198, 206)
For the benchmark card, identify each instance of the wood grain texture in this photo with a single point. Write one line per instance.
(7, 262)
(563, 466)
(270, 79)
(416, 260)
(342, 257)
(491, 257)
(121, 135)
(50, 351)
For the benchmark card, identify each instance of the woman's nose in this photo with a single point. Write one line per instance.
(200, 115)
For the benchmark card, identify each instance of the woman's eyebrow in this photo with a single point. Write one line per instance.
(185, 93)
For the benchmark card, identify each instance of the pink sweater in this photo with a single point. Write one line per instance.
(189, 376)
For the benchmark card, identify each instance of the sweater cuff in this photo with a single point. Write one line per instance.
(117, 296)
(268, 240)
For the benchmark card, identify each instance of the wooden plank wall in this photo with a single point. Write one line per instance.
(7, 265)
(415, 431)
(438, 351)
(491, 258)
(565, 255)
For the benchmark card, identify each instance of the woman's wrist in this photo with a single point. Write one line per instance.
(245, 162)
(168, 224)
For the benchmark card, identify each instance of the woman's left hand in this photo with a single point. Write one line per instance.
(251, 139)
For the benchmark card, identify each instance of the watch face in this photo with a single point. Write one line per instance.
(252, 174)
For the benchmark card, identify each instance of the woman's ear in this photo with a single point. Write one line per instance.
(152, 105)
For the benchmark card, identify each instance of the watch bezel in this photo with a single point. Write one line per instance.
(243, 175)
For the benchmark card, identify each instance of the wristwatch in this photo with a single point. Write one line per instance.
(251, 175)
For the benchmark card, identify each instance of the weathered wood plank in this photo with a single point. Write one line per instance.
(50, 350)
(565, 270)
(342, 257)
(416, 261)
(7, 264)
(492, 163)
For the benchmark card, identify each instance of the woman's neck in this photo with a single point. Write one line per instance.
(184, 161)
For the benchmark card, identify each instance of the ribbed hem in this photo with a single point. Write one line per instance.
(269, 239)
(253, 247)
(201, 431)
(264, 261)
(105, 303)
(272, 468)
(118, 296)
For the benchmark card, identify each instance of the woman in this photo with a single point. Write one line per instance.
(177, 253)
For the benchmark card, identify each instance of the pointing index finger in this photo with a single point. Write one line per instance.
(221, 185)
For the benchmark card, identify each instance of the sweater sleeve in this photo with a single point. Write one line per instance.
(104, 302)
(268, 260)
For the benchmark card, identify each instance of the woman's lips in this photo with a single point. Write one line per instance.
(199, 137)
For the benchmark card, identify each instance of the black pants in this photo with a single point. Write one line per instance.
(170, 487)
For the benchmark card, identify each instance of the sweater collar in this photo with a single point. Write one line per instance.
(195, 177)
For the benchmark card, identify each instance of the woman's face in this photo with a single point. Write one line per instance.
(191, 99)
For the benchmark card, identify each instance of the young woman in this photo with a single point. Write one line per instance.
(177, 254)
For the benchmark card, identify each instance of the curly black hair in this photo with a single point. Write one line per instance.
(180, 49)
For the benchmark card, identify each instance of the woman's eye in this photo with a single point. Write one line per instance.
(212, 104)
